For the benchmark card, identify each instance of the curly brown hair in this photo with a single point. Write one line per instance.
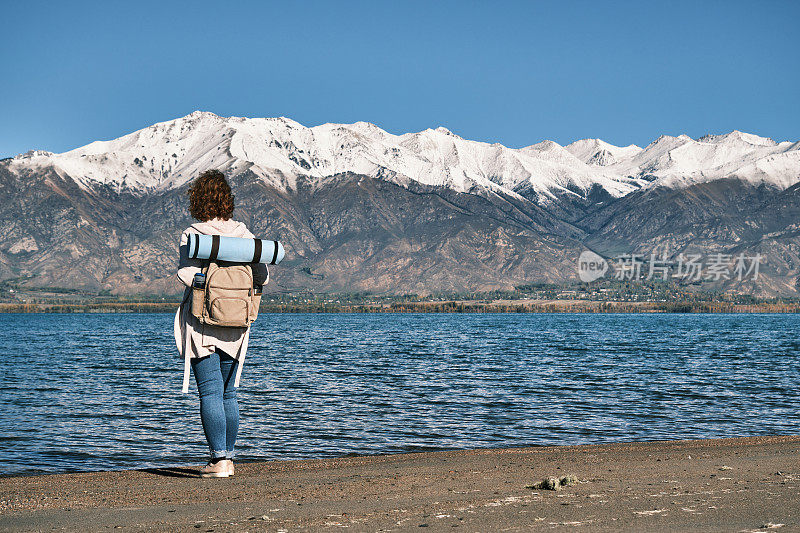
(210, 197)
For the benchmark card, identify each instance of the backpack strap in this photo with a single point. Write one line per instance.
(214, 248)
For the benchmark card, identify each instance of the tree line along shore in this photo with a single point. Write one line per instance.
(596, 297)
(552, 306)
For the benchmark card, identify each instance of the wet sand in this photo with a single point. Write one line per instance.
(746, 484)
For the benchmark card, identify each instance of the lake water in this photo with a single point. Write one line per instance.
(102, 391)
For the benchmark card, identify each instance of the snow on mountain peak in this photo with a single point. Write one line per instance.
(442, 129)
(199, 113)
(738, 136)
(682, 161)
(599, 152)
(280, 150)
(603, 158)
(30, 154)
(552, 151)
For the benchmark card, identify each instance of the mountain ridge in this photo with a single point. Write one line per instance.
(360, 209)
(168, 154)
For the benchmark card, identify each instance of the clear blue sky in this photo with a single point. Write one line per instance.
(509, 72)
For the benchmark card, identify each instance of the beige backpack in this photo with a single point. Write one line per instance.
(228, 297)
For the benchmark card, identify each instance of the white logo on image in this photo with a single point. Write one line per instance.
(591, 266)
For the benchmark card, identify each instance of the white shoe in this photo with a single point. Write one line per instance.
(218, 469)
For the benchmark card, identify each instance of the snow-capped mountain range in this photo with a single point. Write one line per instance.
(360, 209)
(168, 154)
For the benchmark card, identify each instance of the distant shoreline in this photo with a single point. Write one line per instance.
(452, 306)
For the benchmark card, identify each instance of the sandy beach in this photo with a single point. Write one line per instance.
(744, 484)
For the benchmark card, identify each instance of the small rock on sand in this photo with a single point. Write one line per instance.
(554, 483)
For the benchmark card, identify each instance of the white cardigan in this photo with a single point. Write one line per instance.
(193, 338)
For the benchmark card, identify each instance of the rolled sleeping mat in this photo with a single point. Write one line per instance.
(234, 249)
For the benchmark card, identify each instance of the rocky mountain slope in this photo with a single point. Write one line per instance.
(362, 209)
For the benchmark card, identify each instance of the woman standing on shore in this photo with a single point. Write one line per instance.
(216, 354)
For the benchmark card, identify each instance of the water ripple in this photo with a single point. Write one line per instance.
(89, 392)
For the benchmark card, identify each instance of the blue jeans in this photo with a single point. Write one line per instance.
(219, 409)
